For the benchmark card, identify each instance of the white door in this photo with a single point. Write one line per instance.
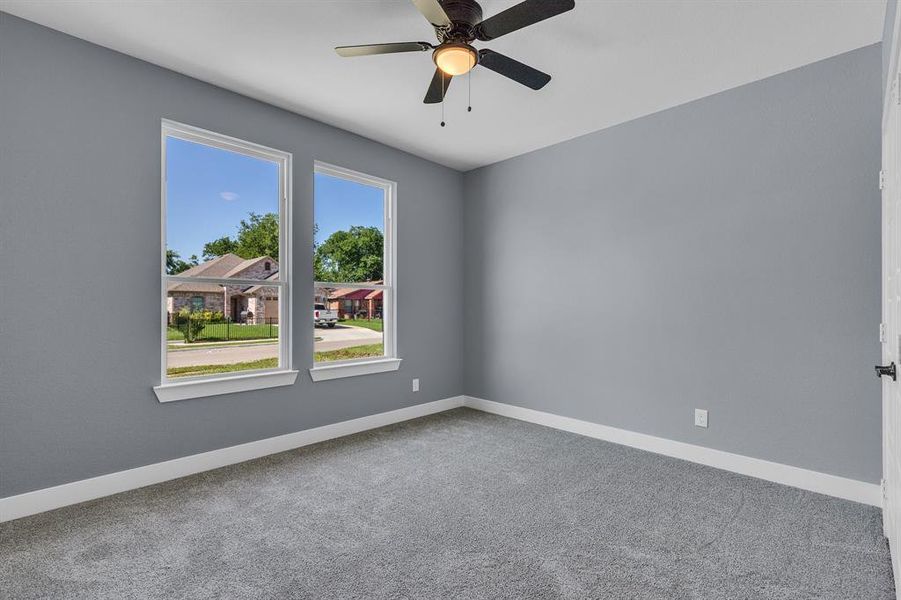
(891, 307)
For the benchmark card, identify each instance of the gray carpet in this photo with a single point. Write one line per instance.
(458, 505)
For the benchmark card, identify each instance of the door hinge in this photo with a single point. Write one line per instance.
(882, 333)
(881, 180)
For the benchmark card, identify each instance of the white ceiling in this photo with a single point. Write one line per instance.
(612, 60)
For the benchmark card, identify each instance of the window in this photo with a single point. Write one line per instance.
(226, 277)
(353, 264)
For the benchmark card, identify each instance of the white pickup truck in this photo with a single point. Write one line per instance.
(324, 316)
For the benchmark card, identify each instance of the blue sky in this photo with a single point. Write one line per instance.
(210, 190)
(341, 203)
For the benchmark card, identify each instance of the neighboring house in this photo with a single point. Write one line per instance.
(240, 303)
(353, 303)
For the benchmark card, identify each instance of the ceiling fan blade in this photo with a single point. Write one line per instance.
(513, 69)
(438, 87)
(370, 49)
(432, 10)
(522, 15)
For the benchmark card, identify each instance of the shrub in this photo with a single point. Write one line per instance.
(192, 323)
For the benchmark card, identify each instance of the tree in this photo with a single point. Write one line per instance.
(257, 236)
(352, 256)
(317, 260)
(175, 265)
(220, 247)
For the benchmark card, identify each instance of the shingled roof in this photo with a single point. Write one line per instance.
(225, 266)
(356, 293)
(255, 288)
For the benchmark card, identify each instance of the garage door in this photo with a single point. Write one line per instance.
(271, 308)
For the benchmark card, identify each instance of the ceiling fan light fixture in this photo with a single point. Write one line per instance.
(455, 59)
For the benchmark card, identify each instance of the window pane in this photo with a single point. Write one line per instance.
(222, 213)
(208, 341)
(347, 324)
(349, 231)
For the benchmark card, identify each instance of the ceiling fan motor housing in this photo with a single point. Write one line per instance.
(464, 16)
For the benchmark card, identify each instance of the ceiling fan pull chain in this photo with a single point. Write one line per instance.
(443, 94)
(469, 83)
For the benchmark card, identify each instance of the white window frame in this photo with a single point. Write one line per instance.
(182, 388)
(389, 362)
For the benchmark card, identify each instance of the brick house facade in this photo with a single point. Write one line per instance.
(352, 303)
(239, 303)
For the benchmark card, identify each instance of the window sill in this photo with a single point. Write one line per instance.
(198, 388)
(326, 372)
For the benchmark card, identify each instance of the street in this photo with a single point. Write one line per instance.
(341, 336)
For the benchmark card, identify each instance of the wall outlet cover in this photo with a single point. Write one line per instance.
(700, 417)
(416, 384)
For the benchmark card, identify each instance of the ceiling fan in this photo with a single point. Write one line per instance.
(457, 23)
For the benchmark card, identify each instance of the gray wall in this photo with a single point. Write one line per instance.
(79, 266)
(724, 254)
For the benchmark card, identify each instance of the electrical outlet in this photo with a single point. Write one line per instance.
(416, 384)
(700, 417)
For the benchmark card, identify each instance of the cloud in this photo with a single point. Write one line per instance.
(229, 196)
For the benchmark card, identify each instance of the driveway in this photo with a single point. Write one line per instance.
(344, 336)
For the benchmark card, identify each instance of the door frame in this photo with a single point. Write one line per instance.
(891, 102)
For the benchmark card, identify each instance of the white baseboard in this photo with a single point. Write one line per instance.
(30, 503)
(38, 501)
(814, 481)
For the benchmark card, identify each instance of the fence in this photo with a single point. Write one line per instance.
(224, 330)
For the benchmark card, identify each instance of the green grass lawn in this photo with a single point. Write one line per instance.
(375, 324)
(192, 371)
(218, 332)
(367, 351)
